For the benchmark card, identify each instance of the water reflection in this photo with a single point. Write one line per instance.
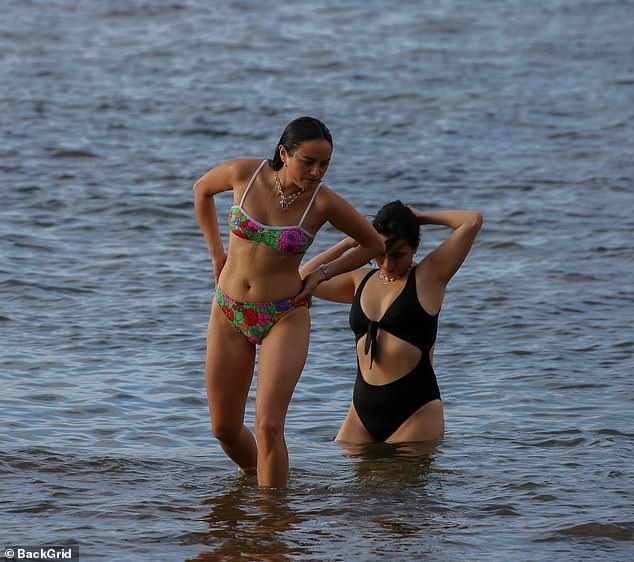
(388, 465)
(399, 499)
(249, 523)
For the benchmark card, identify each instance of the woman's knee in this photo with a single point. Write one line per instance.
(269, 430)
(227, 433)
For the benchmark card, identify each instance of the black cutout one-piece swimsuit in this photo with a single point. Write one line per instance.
(383, 408)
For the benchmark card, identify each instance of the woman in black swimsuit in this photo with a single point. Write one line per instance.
(394, 317)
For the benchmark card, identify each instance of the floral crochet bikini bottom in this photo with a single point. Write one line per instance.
(254, 320)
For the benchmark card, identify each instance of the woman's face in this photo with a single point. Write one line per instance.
(308, 165)
(397, 259)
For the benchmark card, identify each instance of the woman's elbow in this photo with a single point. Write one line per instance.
(202, 193)
(198, 185)
(476, 221)
(376, 247)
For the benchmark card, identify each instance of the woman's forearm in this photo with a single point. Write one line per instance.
(451, 218)
(349, 260)
(328, 255)
(318, 270)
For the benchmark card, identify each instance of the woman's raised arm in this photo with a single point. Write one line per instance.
(447, 258)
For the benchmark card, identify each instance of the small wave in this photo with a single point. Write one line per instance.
(9, 284)
(144, 10)
(577, 277)
(71, 153)
(204, 132)
(545, 498)
(49, 460)
(35, 508)
(571, 136)
(615, 433)
(574, 442)
(622, 531)
(579, 386)
(500, 510)
(47, 398)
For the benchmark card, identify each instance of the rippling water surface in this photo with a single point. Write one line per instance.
(524, 111)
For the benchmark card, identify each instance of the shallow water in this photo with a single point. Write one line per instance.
(109, 113)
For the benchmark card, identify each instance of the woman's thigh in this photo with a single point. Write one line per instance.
(352, 429)
(229, 369)
(281, 361)
(425, 424)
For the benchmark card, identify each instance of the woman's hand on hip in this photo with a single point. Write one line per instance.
(311, 281)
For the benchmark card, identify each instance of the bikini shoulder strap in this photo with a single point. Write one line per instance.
(364, 281)
(255, 175)
(310, 204)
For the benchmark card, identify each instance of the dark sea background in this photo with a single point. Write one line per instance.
(523, 110)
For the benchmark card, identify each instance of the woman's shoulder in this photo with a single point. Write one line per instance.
(358, 275)
(328, 200)
(326, 192)
(241, 167)
(424, 267)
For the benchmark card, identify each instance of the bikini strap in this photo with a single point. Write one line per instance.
(310, 204)
(364, 281)
(255, 175)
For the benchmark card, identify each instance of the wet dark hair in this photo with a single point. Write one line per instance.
(396, 221)
(296, 132)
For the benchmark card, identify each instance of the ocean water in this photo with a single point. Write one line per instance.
(523, 110)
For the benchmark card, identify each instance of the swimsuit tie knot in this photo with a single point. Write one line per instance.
(370, 340)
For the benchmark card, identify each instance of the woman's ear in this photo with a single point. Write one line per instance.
(283, 153)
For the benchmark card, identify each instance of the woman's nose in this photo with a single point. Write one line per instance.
(317, 170)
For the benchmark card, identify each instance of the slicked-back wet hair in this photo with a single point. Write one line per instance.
(296, 132)
(396, 221)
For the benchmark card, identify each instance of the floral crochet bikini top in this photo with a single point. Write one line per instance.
(285, 240)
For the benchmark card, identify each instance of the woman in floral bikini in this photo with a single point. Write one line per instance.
(260, 298)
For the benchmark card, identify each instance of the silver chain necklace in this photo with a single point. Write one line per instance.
(285, 202)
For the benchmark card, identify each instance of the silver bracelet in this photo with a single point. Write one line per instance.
(324, 269)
